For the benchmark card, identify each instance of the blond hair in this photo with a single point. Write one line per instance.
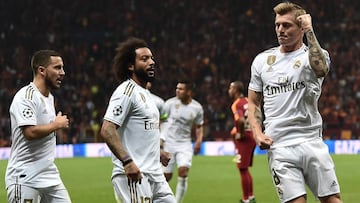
(287, 7)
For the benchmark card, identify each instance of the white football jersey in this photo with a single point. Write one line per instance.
(31, 162)
(160, 105)
(132, 108)
(180, 120)
(291, 92)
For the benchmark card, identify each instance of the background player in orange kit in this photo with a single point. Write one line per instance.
(243, 139)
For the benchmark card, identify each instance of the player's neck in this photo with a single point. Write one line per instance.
(291, 48)
(186, 101)
(238, 96)
(40, 84)
(139, 82)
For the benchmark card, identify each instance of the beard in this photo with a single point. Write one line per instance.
(144, 75)
(51, 84)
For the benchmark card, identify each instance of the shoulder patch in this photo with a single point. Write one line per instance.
(29, 93)
(129, 89)
(28, 113)
(117, 110)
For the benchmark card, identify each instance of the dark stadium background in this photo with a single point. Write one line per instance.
(211, 42)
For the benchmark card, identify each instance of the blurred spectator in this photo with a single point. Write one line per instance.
(211, 42)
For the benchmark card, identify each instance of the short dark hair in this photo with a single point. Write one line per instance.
(42, 58)
(188, 84)
(239, 86)
(125, 56)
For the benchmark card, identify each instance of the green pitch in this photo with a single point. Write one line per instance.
(211, 180)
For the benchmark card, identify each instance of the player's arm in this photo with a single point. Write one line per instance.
(254, 111)
(33, 132)
(316, 55)
(240, 127)
(199, 132)
(239, 123)
(164, 155)
(110, 135)
(255, 120)
(164, 125)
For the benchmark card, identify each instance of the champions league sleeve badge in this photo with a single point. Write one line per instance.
(27, 113)
(117, 110)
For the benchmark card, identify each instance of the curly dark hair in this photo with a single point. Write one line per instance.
(125, 57)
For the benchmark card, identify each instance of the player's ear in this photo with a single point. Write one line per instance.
(41, 69)
(131, 67)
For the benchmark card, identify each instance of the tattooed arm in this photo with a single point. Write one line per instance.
(255, 120)
(316, 55)
(111, 137)
(254, 111)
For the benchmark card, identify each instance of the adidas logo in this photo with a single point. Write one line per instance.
(333, 184)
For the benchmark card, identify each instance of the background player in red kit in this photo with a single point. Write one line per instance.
(243, 139)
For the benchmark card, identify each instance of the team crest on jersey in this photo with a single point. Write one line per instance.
(28, 113)
(117, 110)
(142, 97)
(297, 64)
(192, 116)
(177, 106)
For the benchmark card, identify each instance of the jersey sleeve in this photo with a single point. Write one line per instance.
(164, 125)
(161, 106)
(235, 110)
(327, 59)
(118, 108)
(199, 120)
(24, 111)
(255, 83)
(238, 110)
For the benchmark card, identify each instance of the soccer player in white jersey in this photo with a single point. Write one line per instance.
(160, 104)
(286, 81)
(31, 175)
(131, 128)
(184, 113)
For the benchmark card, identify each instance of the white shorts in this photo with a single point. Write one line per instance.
(308, 163)
(22, 193)
(181, 156)
(146, 192)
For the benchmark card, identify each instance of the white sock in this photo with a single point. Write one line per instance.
(181, 188)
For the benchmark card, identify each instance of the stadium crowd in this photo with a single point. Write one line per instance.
(211, 42)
